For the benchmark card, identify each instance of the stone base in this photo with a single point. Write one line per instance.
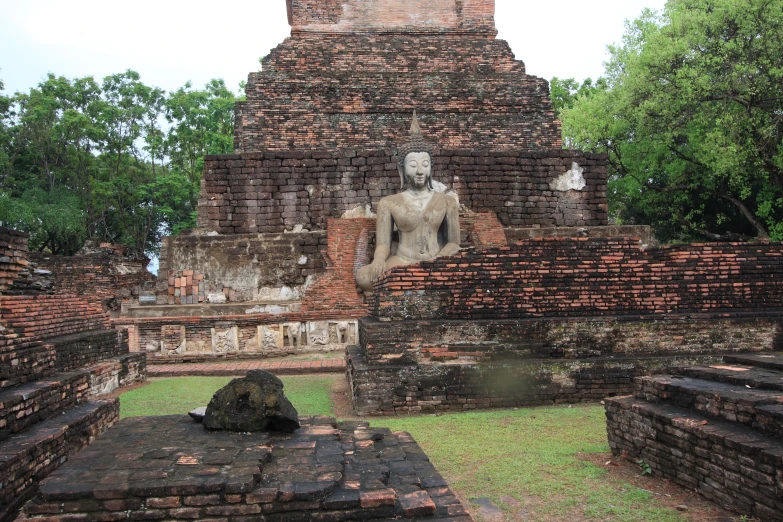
(172, 468)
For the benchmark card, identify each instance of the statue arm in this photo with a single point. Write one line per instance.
(383, 236)
(452, 228)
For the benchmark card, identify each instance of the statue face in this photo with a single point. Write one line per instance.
(418, 169)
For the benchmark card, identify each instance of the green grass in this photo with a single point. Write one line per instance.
(526, 460)
(532, 455)
(179, 395)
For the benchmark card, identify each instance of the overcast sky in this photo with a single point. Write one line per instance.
(172, 41)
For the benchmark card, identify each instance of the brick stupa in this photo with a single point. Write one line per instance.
(352, 70)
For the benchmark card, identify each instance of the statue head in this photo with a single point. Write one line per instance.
(415, 160)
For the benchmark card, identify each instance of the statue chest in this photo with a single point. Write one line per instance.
(409, 217)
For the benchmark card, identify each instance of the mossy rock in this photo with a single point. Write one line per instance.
(253, 403)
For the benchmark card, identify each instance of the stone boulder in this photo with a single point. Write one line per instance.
(254, 403)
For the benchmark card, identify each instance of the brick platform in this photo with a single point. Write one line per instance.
(215, 369)
(716, 429)
(171, 468)
(559, 320)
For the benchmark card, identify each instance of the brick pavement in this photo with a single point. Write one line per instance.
(232, 368)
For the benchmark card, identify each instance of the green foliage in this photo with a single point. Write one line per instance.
(564, 93)
(116, 161)
(644, 467)
(692, 120)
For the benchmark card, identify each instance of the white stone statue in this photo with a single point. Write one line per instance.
(343, 331)
(427, 220)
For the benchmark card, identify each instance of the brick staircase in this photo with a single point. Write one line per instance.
(716, 429)
(58, 356)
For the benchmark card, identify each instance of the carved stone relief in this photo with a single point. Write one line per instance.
(270, 337)
(225, 341)
(318, 333)
(172, 339)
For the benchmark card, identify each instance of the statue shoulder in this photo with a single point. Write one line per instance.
(390, 201)
(448, 201)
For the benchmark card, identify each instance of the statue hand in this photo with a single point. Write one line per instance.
(377, 268)
(449, 250)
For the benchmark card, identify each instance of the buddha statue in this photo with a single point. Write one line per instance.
(426, 220)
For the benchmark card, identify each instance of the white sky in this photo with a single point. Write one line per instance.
(172, 41)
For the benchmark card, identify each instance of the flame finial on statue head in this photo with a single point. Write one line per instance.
(416, 142)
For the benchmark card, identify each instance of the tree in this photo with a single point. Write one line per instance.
(564, 93)
(202, 122)
(692, 120)
(81, 159)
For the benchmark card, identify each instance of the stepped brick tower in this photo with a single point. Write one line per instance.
(352, 72)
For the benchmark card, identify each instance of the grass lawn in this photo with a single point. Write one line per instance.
(179, 395)
(531, 463)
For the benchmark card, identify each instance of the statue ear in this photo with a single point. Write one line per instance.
(402, 175)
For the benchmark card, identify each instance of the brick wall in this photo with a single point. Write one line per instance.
(23, 359)
(586, 277)
(434, 366)
(87, 348)
(395, 390)
(13, 255)
(46, 317)
(336, 289)
(641, 232)
(241, 266)
(512, 340)
(102, 275)
(269, 192)
(391, 15)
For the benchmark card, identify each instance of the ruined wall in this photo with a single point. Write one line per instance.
(102, 275)
(391, 15)
(243, 267)
(13, 256)
(435, 366)
(586, 277)
(400, 390)
(509, 341)
(269, 192)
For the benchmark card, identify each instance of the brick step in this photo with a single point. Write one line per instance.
(772, 361)
(729, 402)
(26, 364)
(117, 372)
(86, 348)
(28, 457)
(759, 378)
(31, 403)
(728, 463)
